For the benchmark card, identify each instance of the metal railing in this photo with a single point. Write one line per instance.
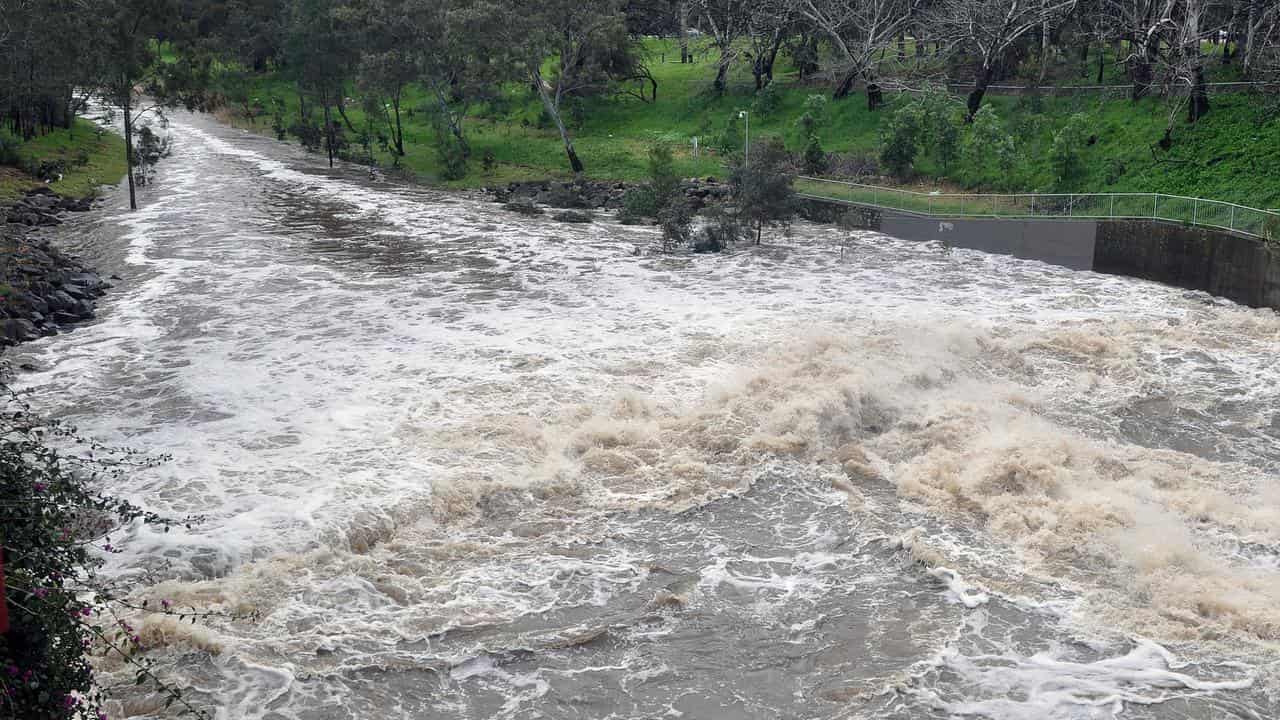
(1254, 222)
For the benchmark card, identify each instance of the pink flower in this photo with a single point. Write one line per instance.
(40, 592)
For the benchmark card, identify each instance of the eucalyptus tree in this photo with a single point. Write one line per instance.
(859, 30)
(771, 23)
(1261, 34)
(987, 29)
(321, 51)
(45, 46)
(728, 21)
(1146, 25)
(562, 48)
(130, 74)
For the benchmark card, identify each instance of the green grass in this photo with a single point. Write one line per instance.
(1233, 154)
(93, 159)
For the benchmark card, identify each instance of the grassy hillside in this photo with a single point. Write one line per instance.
(88, 156)
(1233, 154)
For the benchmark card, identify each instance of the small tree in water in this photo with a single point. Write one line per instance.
(762, 187)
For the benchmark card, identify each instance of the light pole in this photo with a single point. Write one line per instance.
(746, 155)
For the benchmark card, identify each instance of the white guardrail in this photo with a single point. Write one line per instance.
(1254, 222)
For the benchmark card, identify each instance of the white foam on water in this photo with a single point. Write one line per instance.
(1047, 686)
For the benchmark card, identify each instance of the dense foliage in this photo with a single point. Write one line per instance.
(56, 528)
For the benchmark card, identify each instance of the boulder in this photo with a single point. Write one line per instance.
(573, 216)
(524, 207)
(16, 330)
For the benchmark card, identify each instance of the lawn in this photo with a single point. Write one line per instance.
(93, 157)
(1233, 154)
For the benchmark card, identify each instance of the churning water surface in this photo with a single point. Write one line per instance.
(467, 464)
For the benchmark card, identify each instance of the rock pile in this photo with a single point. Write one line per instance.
(41, 207)
(595, 194)
(42, 290)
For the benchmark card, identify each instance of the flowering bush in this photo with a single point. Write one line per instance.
(56, 527)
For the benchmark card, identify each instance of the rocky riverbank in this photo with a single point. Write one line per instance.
(596, 194)
(43, 291)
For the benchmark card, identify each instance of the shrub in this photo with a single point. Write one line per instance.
(815, 159)
(664, 181)
(767, 101)
(451, 154)
(902, 143)
(676, 221)
(638, 203)
(730, 140)
(988, 151)
(721, 229)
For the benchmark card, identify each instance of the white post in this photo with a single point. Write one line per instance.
(747, 152)
(1112, 212)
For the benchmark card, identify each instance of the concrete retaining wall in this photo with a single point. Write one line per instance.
(1239, 268)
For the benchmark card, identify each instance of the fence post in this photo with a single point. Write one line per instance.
(1112, 212)
(1233, 217)
(1195, 211)
(1155, 205)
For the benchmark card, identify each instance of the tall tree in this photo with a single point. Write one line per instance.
(762, 188)
(729, 21)
(563, 48)
(987, 29)
(859, 30)
(130, 66)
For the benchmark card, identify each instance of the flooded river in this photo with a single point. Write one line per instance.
(468, 464)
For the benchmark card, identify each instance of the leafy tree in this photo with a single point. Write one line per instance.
(762, 187)
(902, 140)
(563, 48)
(988, 150)
(320, 50)
(1066, 153)
(941, 121)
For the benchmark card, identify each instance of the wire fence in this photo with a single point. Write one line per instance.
(1264, 224)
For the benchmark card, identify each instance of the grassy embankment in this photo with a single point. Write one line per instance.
(92, 157)
(1233, 154)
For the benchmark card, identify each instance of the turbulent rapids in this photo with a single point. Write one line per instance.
(466, 464)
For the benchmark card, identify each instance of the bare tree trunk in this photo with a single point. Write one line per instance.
(721, 72)
(128, 143)
(554, 111)
(980, 86)
(328, 133)
(1251, 26)
(684, 33)
(846, 85)
(454, 126)
(1044, 43)
(395, 106)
